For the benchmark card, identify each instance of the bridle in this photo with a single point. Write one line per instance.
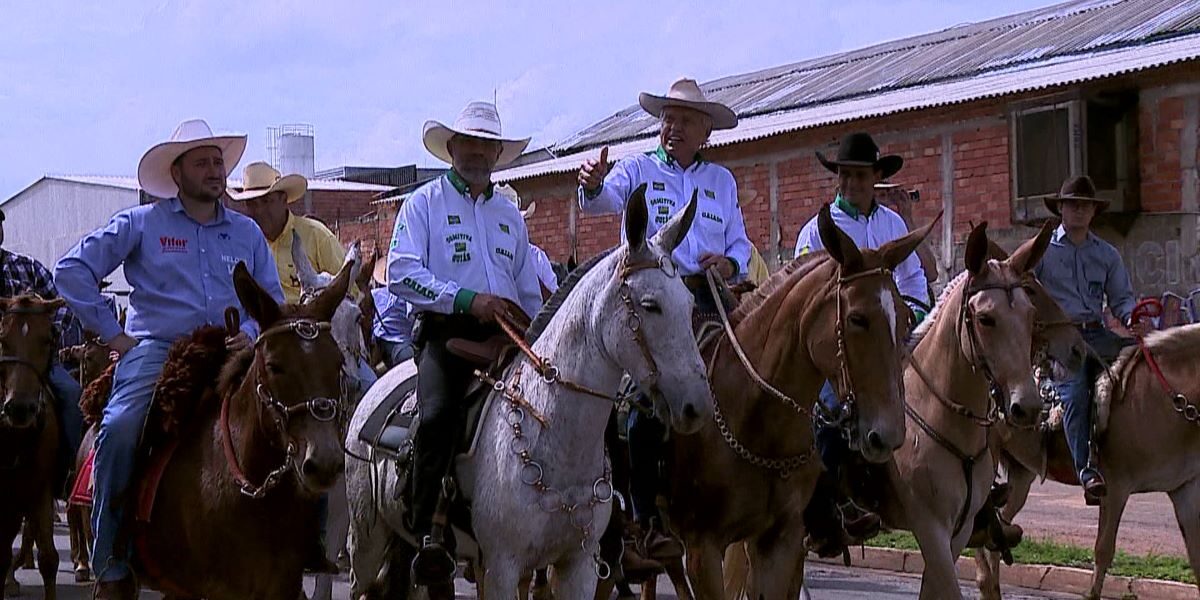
(320, 408)
(7, 360)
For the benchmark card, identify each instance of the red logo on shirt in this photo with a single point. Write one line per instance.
(170, 244)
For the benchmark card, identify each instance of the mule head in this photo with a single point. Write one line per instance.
(1055, 338)
(998, 318)
(659, 314)
(347, 323)
(298, 365)
(864, 314)
(27, 345)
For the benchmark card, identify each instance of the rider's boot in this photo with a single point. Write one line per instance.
(1094, 487)
(660, 544)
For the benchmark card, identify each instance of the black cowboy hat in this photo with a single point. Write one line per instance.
(859, 150)
(1076, 188)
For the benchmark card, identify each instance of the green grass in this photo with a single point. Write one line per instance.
(1047, 552)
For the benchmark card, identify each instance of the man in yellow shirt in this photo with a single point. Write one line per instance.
(266, 196)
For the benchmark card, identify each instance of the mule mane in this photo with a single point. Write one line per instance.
(799, 266)
(27, 300)
(924, 328)
(542, 319)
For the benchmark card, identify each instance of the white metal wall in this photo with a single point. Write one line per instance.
(50, 217)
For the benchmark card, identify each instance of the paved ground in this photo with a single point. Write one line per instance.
(826, 583)
(1057, 511)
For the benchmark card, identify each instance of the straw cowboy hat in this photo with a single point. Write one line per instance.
(154, 170)
(859, 150)
(686, 93)
(477, 120)
(380, 272)
(1076, 188)
(260, 179)
(508, 192)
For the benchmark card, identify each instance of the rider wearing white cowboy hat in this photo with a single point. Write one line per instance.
(178, 255)
(265, 196)
(673, 173)
(460, 258)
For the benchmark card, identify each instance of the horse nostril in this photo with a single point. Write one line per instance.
(689, 411)
(1017, 411)
(875, 440)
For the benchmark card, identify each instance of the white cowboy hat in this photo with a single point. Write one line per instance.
(154, 170)
(477, 120)
(508, 192)
(686, 93)
(260, 179)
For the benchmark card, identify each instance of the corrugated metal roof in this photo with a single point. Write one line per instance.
(131, 183)
(1049, 72)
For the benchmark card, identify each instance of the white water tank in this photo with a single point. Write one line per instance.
(297, 153)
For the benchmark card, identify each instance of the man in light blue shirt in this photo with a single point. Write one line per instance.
(179, 255)
(1080, 271)
(392, 327)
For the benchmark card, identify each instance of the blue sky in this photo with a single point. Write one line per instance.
(86, 87)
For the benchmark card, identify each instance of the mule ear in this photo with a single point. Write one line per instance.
(1029, 254)
(354, 259)
(304, 268)
(897, 250)
(837, 243)
(123, 314)
(637, 218)
(363, 280)
(995, 252)
(671, 235)
(328, 300)
(258, 303)
(977, 248)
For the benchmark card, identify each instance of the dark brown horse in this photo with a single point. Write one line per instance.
(749, 475)
(29, 430)
(256, 443)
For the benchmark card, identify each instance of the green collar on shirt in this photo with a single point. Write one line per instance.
(662, 155)
(852, 210)
(464, 188)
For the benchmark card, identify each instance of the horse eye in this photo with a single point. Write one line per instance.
(987, 321)
(275, 368)
(651, 306)
(859, 321)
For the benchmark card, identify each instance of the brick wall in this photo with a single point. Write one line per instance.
(976, 174)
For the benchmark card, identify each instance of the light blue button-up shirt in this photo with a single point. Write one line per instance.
(1079, 278)
(181, 271)
(391, 317)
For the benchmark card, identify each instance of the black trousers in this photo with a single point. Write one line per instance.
(442, 380)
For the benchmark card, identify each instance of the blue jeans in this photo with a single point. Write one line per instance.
(66, 394)
(116, 452)
(395, 353)
(1076, 394)
(830, 444)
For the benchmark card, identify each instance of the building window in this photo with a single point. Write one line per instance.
(1094, 136)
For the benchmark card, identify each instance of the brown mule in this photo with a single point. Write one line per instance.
(255, 448)
(29, 430)
(834, 316)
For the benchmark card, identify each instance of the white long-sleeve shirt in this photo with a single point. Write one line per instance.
(871, 231)
(446, 247)
(544, 268)
(718, 229)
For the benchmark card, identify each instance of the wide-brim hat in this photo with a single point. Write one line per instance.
(154, 170)
(1076, 188)
(379, 274)
(260, 179)
(511, 194)
(477, 120)
(860, 150)
(686, 93)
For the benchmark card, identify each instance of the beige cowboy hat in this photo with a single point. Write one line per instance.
(1076, 188)
(379, 274)
(260, 179)
(477, 120)
(508, 192)
(154, 170)
(686, 93)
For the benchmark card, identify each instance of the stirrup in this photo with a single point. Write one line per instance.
(433, 565)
